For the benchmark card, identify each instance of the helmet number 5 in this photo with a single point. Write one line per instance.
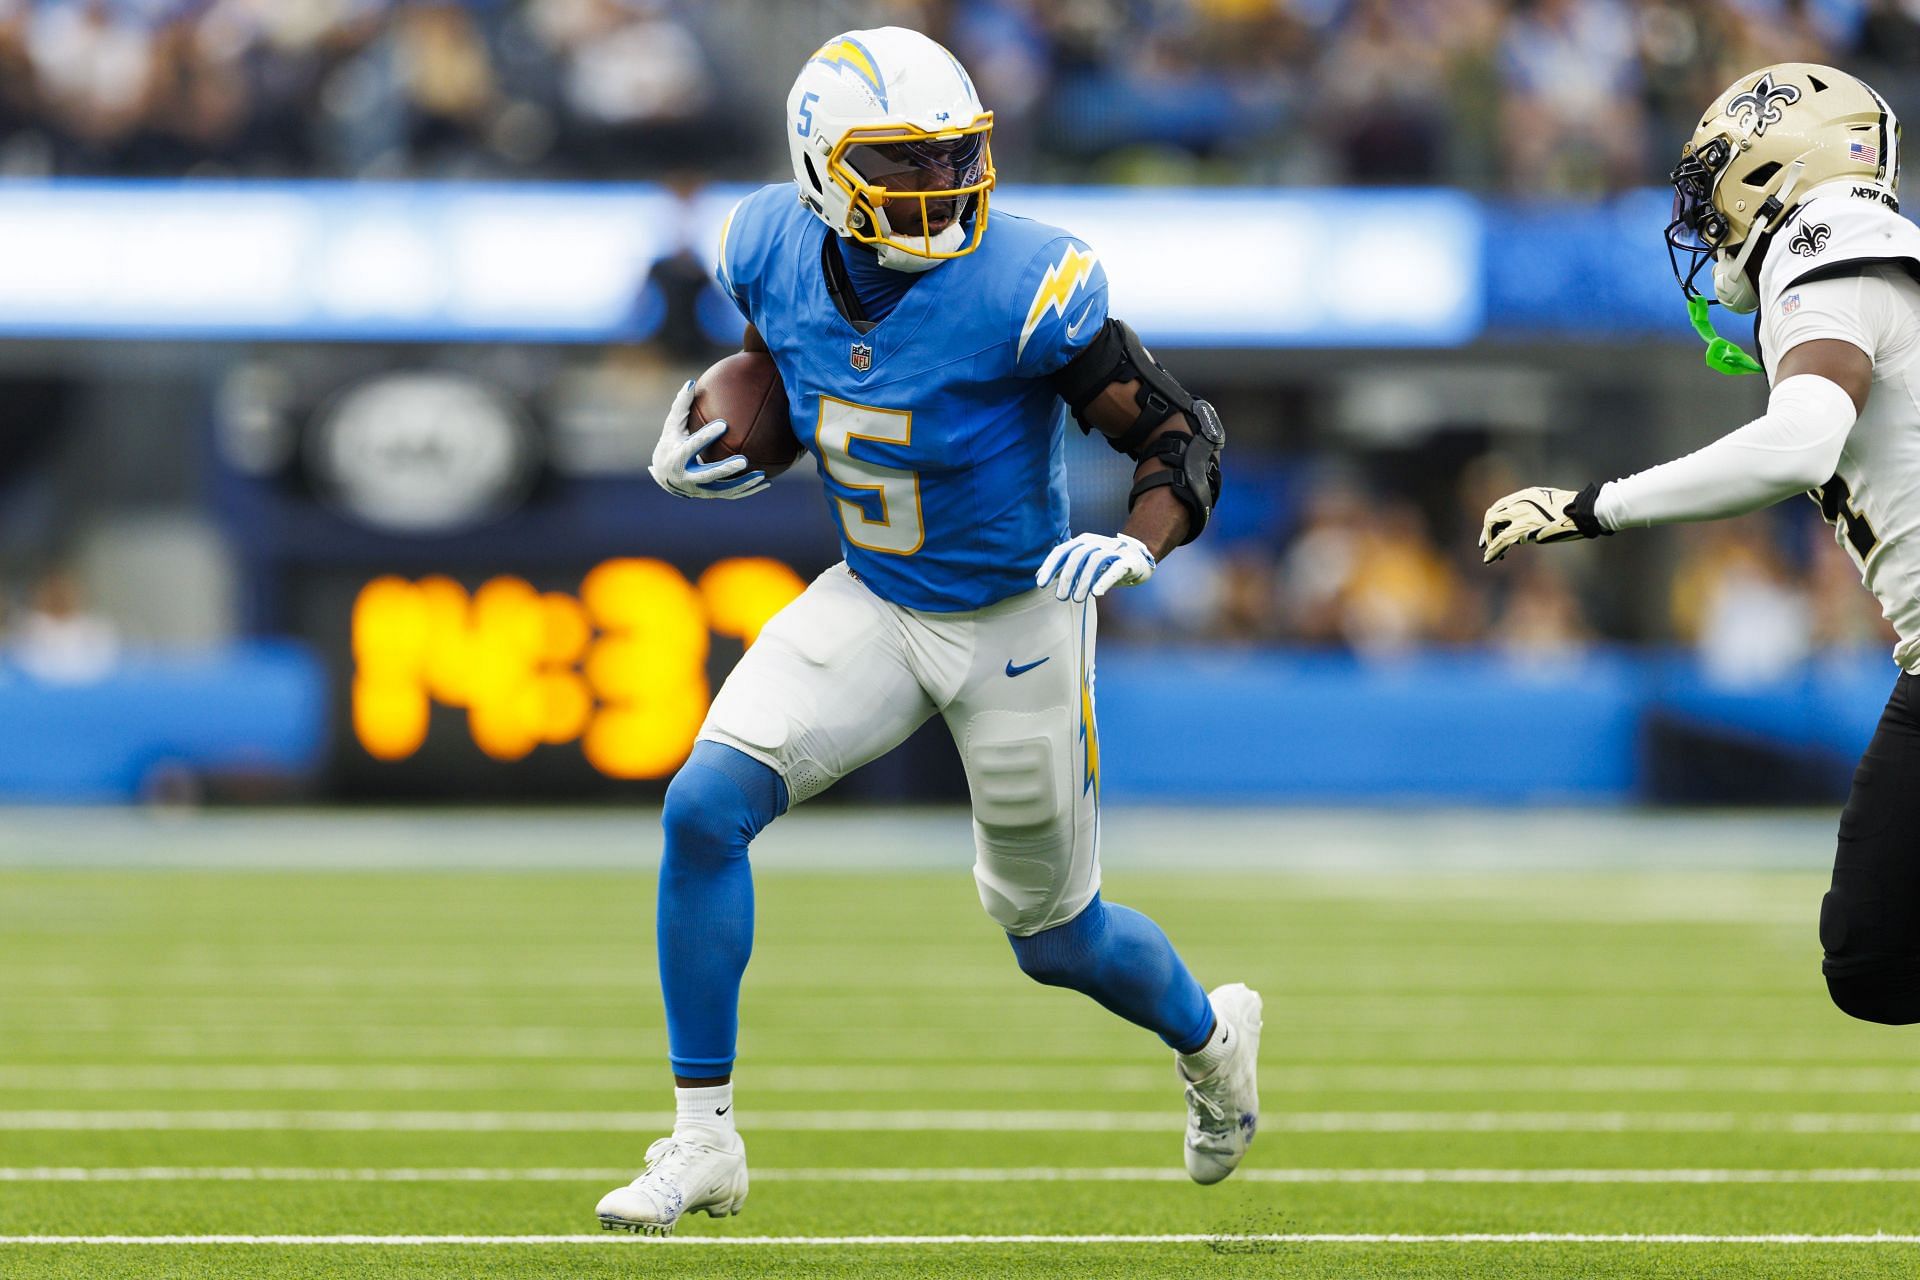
(805, 127)
(888, 520)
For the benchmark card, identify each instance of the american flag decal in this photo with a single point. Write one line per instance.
(1865, 153)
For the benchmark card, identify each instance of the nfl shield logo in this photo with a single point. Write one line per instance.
(861, 358)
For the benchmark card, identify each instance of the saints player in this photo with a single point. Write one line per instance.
(1790, 190)
(931, 351)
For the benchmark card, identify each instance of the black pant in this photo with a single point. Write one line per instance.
(1870, 921)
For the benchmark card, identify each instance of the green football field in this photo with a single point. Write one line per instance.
(346, 1041)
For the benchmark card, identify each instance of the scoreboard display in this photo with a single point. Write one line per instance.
(616, 669)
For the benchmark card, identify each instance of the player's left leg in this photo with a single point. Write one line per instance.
(717, 803)
(1870, 919)
(1023, 718)
(826, 687)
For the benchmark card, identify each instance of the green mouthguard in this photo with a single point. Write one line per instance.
(1722, 356)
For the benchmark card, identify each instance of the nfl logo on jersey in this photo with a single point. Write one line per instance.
(861, 358)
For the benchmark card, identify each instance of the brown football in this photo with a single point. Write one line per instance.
(745, 390)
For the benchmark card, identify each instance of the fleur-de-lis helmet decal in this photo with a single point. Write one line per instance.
(1760, 106)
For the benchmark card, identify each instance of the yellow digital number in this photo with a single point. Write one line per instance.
(390, 646)
(648, 669)
(743, 595)
(621, 669)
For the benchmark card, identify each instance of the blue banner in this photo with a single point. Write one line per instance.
(448, 262)
(570, 263)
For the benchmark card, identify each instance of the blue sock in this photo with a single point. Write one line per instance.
(718, 802)
(1124, 961)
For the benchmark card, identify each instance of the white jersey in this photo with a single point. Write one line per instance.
(1846, 265)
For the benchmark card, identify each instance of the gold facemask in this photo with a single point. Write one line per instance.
(963, 199)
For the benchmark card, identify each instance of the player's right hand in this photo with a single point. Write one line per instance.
(676, 463)
(1538, 514)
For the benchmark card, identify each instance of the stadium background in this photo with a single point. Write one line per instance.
(1412, 250)
(345, 647)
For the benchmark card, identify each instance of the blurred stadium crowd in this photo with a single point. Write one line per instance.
(1351, 567)
(1362, 571)
(1754, 599)
(52, 635)
(1535, 95)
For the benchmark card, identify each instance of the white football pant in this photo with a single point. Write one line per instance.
(840, 677)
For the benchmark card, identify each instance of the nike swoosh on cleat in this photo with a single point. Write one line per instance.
(722, 1111)
(1020, 671)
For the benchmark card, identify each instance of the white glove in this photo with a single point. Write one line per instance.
(676, 459)
(1538, 514)
(1094, 562)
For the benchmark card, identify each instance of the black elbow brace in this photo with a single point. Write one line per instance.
(1193, 467)
(1115, 355)
(1192, 458)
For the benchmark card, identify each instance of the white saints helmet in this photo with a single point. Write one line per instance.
(1763, 145)
(891, 146)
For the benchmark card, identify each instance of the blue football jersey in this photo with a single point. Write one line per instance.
(937, 432)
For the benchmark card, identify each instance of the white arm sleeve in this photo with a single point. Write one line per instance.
(1793, 447)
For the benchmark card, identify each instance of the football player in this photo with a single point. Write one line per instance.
(1789, 189)
(931, 352)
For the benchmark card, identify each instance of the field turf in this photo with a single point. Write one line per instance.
(266, 1049)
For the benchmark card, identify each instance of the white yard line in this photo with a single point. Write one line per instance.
(1236, 1241)
(1050, 1121)
(293, 1077)
(913, 1077)
(59, 1173)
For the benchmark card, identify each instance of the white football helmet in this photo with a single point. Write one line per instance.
(891, 146)
(1769, 140)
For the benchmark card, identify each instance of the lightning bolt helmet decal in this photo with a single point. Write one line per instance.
(846, 53)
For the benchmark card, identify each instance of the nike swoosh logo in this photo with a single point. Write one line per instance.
(722, 1111)
(1073, 330)
(1020, 671)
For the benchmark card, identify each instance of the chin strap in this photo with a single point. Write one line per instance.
(895, 256)
(1723, 356)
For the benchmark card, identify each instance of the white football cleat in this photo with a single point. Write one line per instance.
(682, 1176)
(1223, 1107)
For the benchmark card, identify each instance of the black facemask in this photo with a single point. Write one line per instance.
(1697, 228)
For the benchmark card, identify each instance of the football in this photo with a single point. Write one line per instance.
(745, 390)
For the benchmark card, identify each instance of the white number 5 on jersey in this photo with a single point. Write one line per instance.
(899, 530)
